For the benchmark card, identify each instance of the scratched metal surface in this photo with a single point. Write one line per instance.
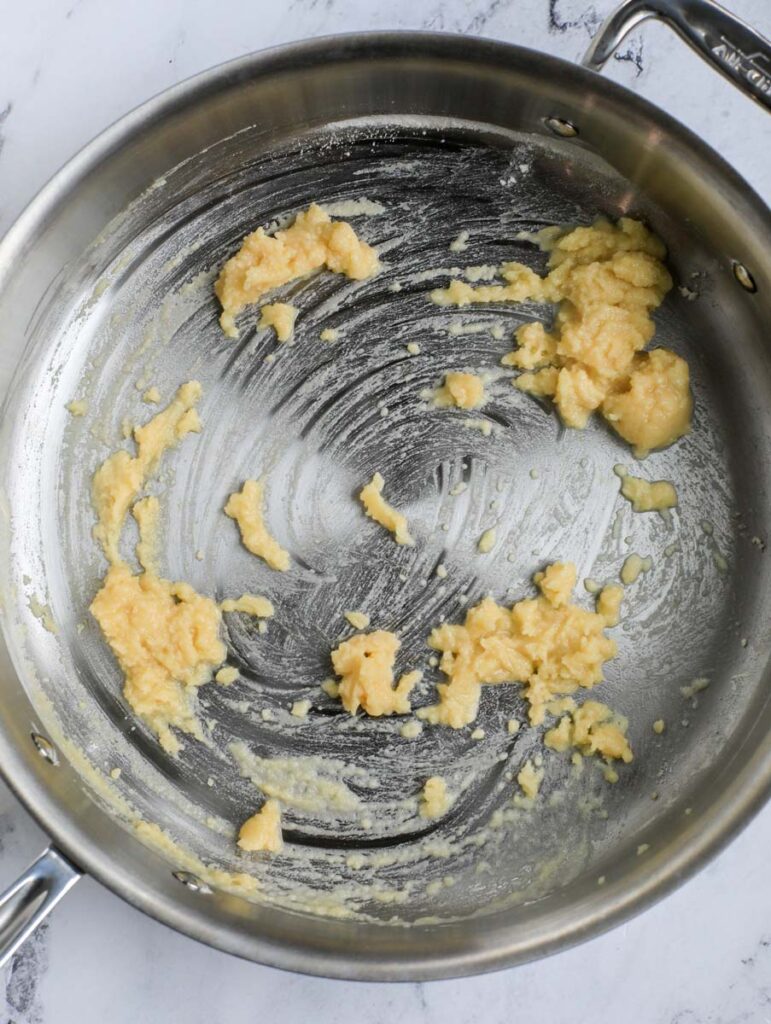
(317, 420)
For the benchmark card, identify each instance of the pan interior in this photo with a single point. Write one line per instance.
(317, 419)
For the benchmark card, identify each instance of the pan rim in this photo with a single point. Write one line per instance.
(724, 819)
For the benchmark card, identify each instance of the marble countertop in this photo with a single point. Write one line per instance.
(67, 69)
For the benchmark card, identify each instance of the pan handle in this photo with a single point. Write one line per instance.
(32, 897)
(730, 45)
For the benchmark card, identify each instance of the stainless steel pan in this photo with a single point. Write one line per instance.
(105, 284)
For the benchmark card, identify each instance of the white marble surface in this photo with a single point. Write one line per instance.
(67, 69)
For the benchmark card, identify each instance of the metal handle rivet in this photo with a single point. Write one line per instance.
(192, 882)
(744, 277)
(559, 126)
(45, 748)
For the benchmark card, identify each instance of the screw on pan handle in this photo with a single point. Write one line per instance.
(730, 45)
(32, 897)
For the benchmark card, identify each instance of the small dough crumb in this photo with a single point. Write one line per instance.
(644, 495)
(263, 830)
(377, 508)
(359, 620)
(265, 261)
(463, 390)
(246, 507)
(478, 734)
(300, 708)
(441, 571)
(152, 396)
(484, 427)
(329, 334)
(226, 675)
(365, 664)
(486, 542)
(591, 729)
(434, 800)
(633, 568)
(460, 243)
(166, 639)
(609, 603)
(551, 650)
(529, 779)
(695, 687)
(331, 688)
(116, 773)
(659, 726)
(413, 348)
(281, 317)
(513, 726)
(250, 604)
(411, 730)
(77, 407)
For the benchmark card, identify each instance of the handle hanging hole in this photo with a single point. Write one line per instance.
(45, 748)
(744, 277)
(559, 126)
(192, 882)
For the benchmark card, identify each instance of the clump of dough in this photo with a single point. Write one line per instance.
(377, 508)
(263, 830)
(536, 348)
(607, 280)
(462, 390)
(121, 477)
(652, 406)
(264, 262)
(646, 495)
(365, 664)
(164, 635)
(246, 507)
(634, 566)
(281, 317)
(592, 729)
(549, 645)
(434, 800)
(166, 639)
